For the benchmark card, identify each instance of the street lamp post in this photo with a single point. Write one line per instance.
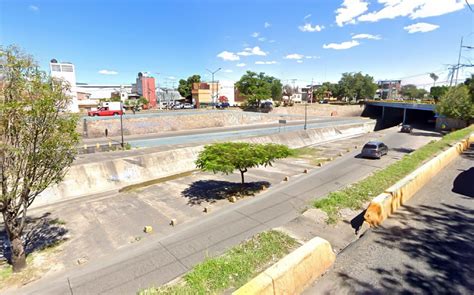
(121, 124)
(212, 73)
(305, 113)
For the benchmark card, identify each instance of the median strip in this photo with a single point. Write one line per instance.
(232, 269)
(356, 195)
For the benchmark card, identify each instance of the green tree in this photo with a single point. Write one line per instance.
(255, 87)
(456, 103)
(437, 91)
(411, 91)
(37, 141)
(185, 86)
(276, 89)
(356, 86)
(230, 156)
(470, 84)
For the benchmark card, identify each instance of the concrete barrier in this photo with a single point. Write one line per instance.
(293, 273)
(112, 175)
(385, 204)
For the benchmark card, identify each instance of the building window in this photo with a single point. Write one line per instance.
(55, 68)
(67, 68)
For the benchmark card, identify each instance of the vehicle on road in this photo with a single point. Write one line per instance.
(187, 106)
(406, 128)
(374, 149)
(113, 108)
(223, 105)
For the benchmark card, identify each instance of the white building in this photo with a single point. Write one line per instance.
(226, 88)
(66, 72)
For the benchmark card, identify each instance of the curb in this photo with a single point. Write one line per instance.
(294, 272)
(385, 204)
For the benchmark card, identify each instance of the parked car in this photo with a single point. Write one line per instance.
(187, 106)
(406, 128)
(374, 149)
(177, 105)
(323, 101)
(223, 105)
(105, 111)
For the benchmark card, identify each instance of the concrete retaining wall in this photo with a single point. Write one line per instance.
(385, 204)
(321, 110)
(109, 175)
(293, 273)
(161, 122)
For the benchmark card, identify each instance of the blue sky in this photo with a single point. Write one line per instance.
(111, 41)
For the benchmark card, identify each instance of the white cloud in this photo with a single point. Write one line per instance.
(341, 46)
(240, 65)
(255, 34)
(299, 61)
(294, 56)
(107, 72)
(366, 36)
(307, 16)
(309, 28)
(267, 25)
(350, 9)
(420, 28)
(265, 62)
(171, 78)
(227, 55)
(271, 41)
(413, 9)
(261, 39)
(312, 57)
(252, 51)
(228, 71)
(33, 8)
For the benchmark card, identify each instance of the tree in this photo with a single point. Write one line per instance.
(437, 91)
(456, 103)
(356, 86)
(185, 86)
(229, 156)
(411, 91)
(470, 84)
(276, 89)
(37, 141)
(289, 90)
(434, 77)
(255, 87)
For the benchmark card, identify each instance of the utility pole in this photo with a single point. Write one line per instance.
(212, 91)
(459, 61)
(121, 124)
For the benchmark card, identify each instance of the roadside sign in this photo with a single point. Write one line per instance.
(282, 121)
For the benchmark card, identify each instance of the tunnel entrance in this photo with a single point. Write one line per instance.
(387, 117)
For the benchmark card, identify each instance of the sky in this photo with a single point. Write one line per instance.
(296, 41)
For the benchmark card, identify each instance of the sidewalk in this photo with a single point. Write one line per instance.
(427, 247)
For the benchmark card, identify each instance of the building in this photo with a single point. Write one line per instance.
(66, 72)
(226, 89)
(145, 86)
(167, 97)
(388, 89)
(307, 93)
(205, 93)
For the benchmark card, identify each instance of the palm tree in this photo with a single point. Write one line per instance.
(434, 77)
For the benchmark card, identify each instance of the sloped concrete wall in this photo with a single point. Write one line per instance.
(111, 175)
(321, 110)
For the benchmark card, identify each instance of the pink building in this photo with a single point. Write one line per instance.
(146, 88)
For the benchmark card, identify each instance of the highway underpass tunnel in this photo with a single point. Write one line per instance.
(387, 117)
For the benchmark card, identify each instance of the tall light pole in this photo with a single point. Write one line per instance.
(121, 124)
(212, 73)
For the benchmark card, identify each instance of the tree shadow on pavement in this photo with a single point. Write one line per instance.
(213, 190)
(464, 183)
(39, 233)
(440, 248)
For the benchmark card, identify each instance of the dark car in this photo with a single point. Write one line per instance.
(223, 105)
(374, 149)
(406, 128)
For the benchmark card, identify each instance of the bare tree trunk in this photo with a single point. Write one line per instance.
(18, 254)
(242, 175)
(13, 227)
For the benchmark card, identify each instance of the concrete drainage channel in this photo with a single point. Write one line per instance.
(297, 270)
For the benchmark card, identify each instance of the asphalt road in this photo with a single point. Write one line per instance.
(222, 133)
(162, 259)
(426, 248)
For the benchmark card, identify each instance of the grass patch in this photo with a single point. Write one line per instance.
(355, 195)
(234, 268)
(309, 153)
